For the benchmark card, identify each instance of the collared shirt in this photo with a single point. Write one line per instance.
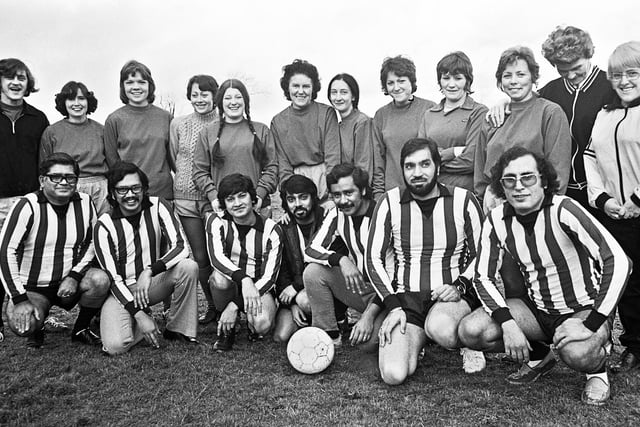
(39, 247)
(245, 251)
(569, 261)
(429, 251)
(125, 248)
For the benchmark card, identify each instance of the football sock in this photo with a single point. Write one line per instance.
(84, 318)
(333, 334)
(538, 352)
(602, 375)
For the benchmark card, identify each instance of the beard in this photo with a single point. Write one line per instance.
(422, 188)
(301, 213)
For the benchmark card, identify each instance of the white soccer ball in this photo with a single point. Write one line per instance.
(310, 350)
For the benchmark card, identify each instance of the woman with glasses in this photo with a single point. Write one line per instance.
(612, 166)
(81, 138)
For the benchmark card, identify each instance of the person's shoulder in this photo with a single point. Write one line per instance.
(282, 115)
(160, 112)
(423, 102)
(477, 107)
(552, 87)
(30, 109)
(117, 114)
(259, 127)
(360, 117)
(549, 107)
(383, 111)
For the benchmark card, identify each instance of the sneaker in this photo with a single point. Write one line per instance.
(177, 336)
(596, 392)
(527, 374)
(36, 340)
(472, 361)
(254, 336)
(86, 336)
(54, 325)
(224, 342)
(627, 362)
(211, 315)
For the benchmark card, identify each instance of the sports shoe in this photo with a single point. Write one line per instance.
(254, 336)
(472, 361)
(527, 374)
(211, 315)
(36, 340)
(177, 336)
(54, 325)
(628, 362)
(596, 392)
(225, 342)
(86, 336)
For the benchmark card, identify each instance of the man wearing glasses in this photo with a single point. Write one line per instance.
(47, 249)
(142, 248)
(574, 272)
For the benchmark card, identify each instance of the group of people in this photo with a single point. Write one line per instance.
(510, 229)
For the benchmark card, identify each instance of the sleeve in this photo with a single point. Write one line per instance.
(269, 179)
(473, 217)
(46, 144)
(111, 140)
(202, 166)
(107, 254)
(364, 146)
(379, 241)
(285, 275)
(605, 250)
(216, 235)
(272, 256)
(173, 140)
(557, 143)
(464, 163)
(285, 169)
(318, 248)
(331, 135)
(15, 229)
(88, 250)
(172, 233)
(596, 191)
(379, 158)
(480, 180)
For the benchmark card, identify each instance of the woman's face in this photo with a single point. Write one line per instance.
(399, 87)
(233, 105)
(136, 88)
(341, 97)
(300, 91)
(453, 86)
(77, 107)
(626, 84)
(201, 100)
(517, 82)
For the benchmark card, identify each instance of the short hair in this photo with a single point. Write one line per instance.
(130, 69)
(353, 87)
(70, 91)
(415, 144)
(236, 183)
(117, 174)
(58, 158)
(548, 174)
(511, 55)
(300, 66)
(205, 83)
(566, 45)
(9, 67)
(627, 55)
(456, 63)
(298, 184)
(360, 178)
(401, 66)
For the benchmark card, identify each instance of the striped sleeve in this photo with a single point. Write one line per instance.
(603, 248)
(216, 237)
(318, 249)
(472, 228)
(106, 250)
(87, 246)
(272, 256)
(380, 239)
(17, 225)
(171, 231)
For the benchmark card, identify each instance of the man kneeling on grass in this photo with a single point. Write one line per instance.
(245, 251)
(46, 250)
(574, 271)
(432, 231)
(141, 246)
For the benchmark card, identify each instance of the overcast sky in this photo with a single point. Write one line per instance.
(89, 41)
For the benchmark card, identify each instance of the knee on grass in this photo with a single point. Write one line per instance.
(394, 374)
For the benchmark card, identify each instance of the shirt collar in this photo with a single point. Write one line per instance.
(616, 104)
(407, 197)
(43, 199)
(466, 105)
(117, 213)
(259, 224)
(510, 211)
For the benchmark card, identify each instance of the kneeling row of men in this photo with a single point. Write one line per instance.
(419, 265)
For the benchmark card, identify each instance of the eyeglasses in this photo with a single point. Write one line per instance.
(631, 75)
(57, 178)
(527, 180)
(135, 189)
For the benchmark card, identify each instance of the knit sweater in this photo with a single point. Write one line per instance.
(355, 141)
(183, 136)
(536, 124)
(82, 141)
(306, 138)
(236, 146)
(392, 127)
(140, 135)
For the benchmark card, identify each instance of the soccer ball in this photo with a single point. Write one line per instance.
(310, 350)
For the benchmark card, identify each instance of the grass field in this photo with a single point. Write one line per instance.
(74, 385)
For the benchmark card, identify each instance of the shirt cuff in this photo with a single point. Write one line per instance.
(158, 267)
(601, 200)
(502, 315)
(298, 284)
(75, 275)
(392, 301)
(19, 298)
(131, 308)
(334, 259)
(237, 277)
(594, 320)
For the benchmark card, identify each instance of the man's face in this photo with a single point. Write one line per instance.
(574, 72)
(59, 184)
(420, 173)
(348, 197)
(522, 185)
(239, 206)
(13, 88)
(300, 205)
(128, 192)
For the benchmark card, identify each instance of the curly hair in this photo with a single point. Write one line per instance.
(566, 45)
(300, 66)
(236, 183)
(511, 55)
(456, 63)
(70, 91)
(58, 158)
(548, 175)
(9, 67)
(401, 66)
(130, 69)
